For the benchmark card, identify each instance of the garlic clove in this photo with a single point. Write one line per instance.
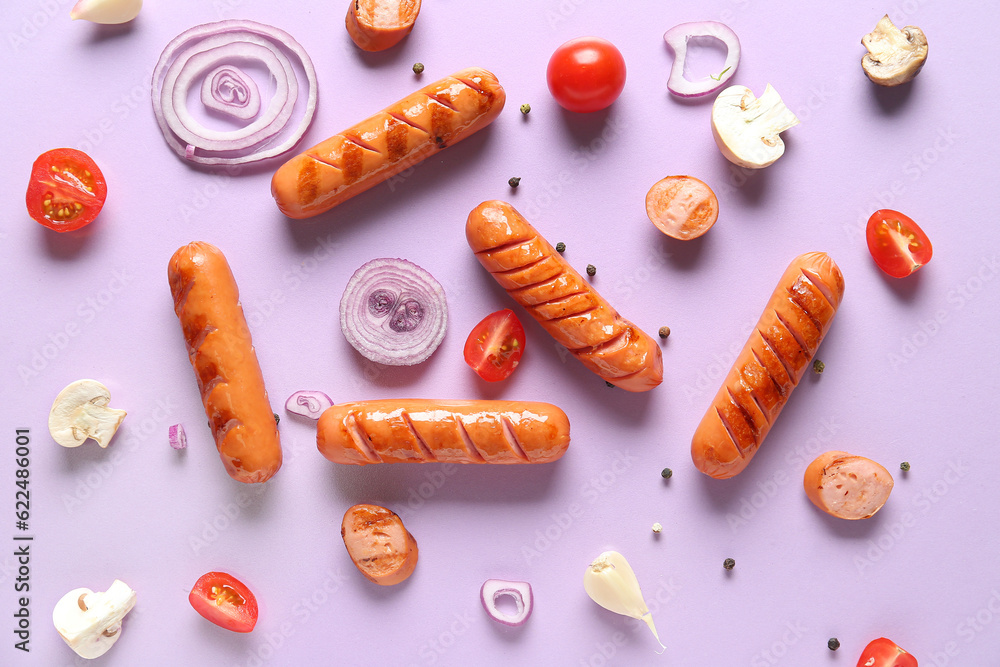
(106, 11)
(747, 129)
(611, 583)
(894, 56)
(90, 623)
(81, 411)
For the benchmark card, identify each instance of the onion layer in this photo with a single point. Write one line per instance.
(520, 591)
(393, 312)
(178, 439)
(309, 404)
(207, 53)
(677, 38)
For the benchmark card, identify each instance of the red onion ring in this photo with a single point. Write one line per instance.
(393, 312)
(230, 91)
(309, 404)
(200, 53)
(519, 590)
(677, 38)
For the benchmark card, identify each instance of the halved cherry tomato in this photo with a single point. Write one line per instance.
(586, 74)
(66, 190)
(495, 345)
(883, 652)
(897, 244)
(224, 600)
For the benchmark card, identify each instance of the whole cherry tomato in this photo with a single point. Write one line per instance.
(883, 652)
(586, 74)
(495, 345)
(224, 600)
(897, 244)
(66, 190)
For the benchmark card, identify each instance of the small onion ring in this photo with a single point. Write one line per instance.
(677, 38)
(308, 404)
(230, 91)
(203, 49)
(519, 590)
(393, 312)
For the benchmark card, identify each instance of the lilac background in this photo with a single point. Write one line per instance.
(897, 386)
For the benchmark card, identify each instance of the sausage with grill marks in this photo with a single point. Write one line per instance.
(780, 349)
(207, 303)
(424, 431)
(561, 300)
(378, 544)
(389, 142)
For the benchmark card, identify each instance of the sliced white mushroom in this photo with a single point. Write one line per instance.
(81, 411)
(106, 11)
(90, 622)
(894, 56)
(746, 128)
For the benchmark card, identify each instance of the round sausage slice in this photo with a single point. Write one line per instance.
(683, 207)
(381, 548)
(846, 486)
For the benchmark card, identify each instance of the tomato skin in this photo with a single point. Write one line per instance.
(66, 191)
(883, 652)
(495, 345)
(224, 600)
(897, 243)
(586, 74)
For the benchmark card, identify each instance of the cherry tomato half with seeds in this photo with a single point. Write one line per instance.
(883, 652)
(897, 244)
(224, 600)
(495, 345)
(586, 74)
(66, 190)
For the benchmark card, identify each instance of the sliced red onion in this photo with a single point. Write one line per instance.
(199, 54)
(178, 439)
(393, 312)
(677, 38)
(519, 590)
(309, 404)
(230, 91)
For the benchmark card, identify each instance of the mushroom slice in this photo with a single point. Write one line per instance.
(746, 128)
(894, 56)
(81, 411)
(90, 622)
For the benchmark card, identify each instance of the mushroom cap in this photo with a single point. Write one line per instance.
(894, 56)
(73, 418)
(747, 129)
(89, 622)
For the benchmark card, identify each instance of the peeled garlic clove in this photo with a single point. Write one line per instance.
(747, 129)
(611, 583)
(106, 11)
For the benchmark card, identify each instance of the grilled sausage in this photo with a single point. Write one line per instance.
(378, 544)
(376, 25)
(772, 362)
(422, 431)
(389, 142)
(561, 300)
(846, 486)
(207, 302)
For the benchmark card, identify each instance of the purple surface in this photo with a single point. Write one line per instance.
(911, 366)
